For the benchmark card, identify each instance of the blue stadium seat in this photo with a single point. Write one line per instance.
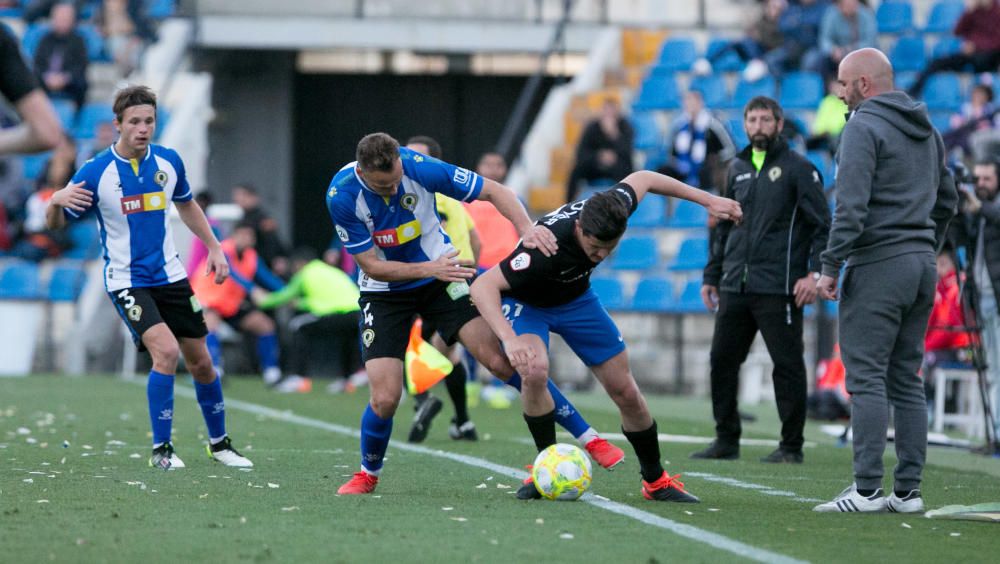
(85, 242)
(610, 291)
(943, 92)
(712, 89)
(89, 116)
(66, 110)
(692, 255)
(649, 213)
(729, 62)
(653, 294)
(677, 54)
(658, 92)
(688, 214)
(905, 79)
(738, 133)
(947, 45)
(908, 54)
(747, 90)
(822, 164)
(941, 120)
(801, 90)
(95, 42)
(67, 282)
(635, 253)
(19, 281)
(943, 16)
(33, 164)
(894, 17)
(647, 131)
(690, 299)
(161, 9)
(32, 37)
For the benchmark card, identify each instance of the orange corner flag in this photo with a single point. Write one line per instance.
(425, 365)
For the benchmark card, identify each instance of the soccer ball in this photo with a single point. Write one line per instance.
(562, 472)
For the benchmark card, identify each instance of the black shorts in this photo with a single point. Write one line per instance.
(234, 320)
(173, 304)
(388, 316)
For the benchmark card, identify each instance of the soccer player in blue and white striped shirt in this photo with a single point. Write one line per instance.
(129, 188)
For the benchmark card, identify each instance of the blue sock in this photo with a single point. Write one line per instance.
(566, 414)
(267, 350)
(375, 433)
(214, 349)
(160, 395)
(213, 409)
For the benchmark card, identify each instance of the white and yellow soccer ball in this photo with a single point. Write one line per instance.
(562, 472)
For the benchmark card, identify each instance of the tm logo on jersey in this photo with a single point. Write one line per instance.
(153, 201)
(398, 236)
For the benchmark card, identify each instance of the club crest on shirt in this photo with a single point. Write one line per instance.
(160, 178)
(520, 262)
(367, 336)
(135, 313)
(408, 201)
(774, 174)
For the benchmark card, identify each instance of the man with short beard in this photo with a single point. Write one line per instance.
(760, 275)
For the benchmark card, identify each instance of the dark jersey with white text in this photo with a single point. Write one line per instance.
(542, 281)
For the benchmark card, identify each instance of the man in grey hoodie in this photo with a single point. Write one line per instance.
(895, 197)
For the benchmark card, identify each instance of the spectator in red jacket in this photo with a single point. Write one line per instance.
(946, 335)
(980, 43)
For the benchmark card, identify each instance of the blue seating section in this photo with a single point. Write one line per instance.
(943, 16)
(712, 88)
(943, 92)
(729, 61)
(677, 54)
(658, 92)
(67, 282)
(948, 45)
(161, 9)
(894, 17)
(635, 253)
(692, 255)
(654, 294)
(688, 214)
(746, 90)
(19, 281)
(649, 213)
(89, 116)
(609, 291)
(647, 132)
(801, 91)
(908, 54)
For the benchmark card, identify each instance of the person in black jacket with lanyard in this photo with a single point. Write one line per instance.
(760, 275)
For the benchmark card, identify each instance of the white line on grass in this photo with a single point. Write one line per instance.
(766, 490)
(695, 440)
(694, 533)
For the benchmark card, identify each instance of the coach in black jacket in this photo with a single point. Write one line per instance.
(760, 275)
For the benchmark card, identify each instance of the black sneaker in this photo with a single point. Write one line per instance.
(164, 458)
(718, 451)
(780, 456)
(422, 420)
(464, 432)
(528, 490)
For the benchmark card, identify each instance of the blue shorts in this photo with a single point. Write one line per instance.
(583, 323)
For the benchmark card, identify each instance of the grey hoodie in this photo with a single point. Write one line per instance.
(894, 193)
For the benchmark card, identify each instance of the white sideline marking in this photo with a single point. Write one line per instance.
(766, 490)
(695, 440)
(694, 533)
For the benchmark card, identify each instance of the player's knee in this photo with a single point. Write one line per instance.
(165, 356)
(537, 374)
(626, 395)
(201, 369)
(497, 364)
(384, 403)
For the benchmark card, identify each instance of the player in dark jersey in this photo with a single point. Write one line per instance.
(530, 294)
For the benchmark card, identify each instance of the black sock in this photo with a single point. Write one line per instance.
(419, 399)
(866, 493)
(647, 449)
(543, 429)
(455, 381)
(902, 494)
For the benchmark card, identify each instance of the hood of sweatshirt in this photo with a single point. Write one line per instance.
(901, 111)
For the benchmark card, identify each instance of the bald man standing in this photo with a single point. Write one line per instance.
(895, 197)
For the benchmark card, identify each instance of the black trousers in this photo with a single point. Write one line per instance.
(333, 340)
(981, 61)
(737, 322)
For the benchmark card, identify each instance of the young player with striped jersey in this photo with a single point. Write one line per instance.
(129, 188)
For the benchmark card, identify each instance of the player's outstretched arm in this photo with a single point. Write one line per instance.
(446, 268)
(73, 197)
(192, 216)
(648, 181)
(39, 129)
(504, 200)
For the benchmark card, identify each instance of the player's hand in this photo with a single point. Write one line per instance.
(710, 297)
(257, 295)
(827, 287)
(447, 268)
(218, 264)
(725, 209)
(541, 238)
(520, 353)
(805, 290)
(74, 196)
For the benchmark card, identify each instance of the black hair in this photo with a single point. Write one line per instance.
(433, 147)
(604, 216)
(377, 152)
(764, 103)
(995, 163)
(245, 224)
(986, 89)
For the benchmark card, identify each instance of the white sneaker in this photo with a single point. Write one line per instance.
(850, 501)
(359, 379)
(701, 67)
(165, 458)
(911, 503)
(224, 452)
(272, 375)
(755, 70)
(338, 386)
(293, 385)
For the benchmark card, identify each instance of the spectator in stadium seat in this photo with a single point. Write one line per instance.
(698, 145)
(761, 44)
(799, 25)
(976, 124)
(847, 25)
(39, 128)
(37, 241)
(61, 59)
(35, 10)
(269, 244)
(947, 339)
(605, 149)
(760, 275)
(121, 34)
(895, 197)
(977, 27)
